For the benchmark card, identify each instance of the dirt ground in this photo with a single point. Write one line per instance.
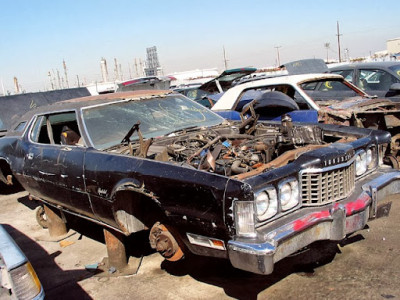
(364, 266)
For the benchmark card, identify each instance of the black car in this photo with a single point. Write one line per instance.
(253, 193)
(14, 106)
(376, 78)
(220, 84)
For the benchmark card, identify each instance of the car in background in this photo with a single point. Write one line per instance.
(306, 90)
(144, 83)
(16, 272)
(319, 97)
(14, 106)
(381, 79)
(252, 193)
(220, 84)
(305, 82)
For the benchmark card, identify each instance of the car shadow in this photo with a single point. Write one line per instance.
(136, 244)
(245, 285)
(57, 283)
(10, 189)
(31, 204)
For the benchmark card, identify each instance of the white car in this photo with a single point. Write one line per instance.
(16, 272)
(306, 90)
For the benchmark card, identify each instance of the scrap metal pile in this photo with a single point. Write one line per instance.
(367, 113)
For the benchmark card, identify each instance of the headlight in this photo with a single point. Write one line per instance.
(244, 212)
(288, 194)
(266, 204)
(26, 284)
(361, 163)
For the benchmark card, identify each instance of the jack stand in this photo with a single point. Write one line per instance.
(115, 249)
(56, 224)
(117, 263)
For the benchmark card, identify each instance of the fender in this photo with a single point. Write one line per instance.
(131, 184)
(130, 199)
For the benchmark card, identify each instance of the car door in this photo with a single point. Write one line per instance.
(54, 168)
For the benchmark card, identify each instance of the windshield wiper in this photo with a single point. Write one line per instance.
(131, 131)
(143, 145)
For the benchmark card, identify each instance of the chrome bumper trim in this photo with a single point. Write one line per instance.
(331, 222)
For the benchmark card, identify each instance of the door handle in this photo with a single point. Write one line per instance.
(66, 148)
(47, 174)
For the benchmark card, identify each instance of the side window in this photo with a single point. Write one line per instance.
(373, 80)
(347, 74)
(39, 123)
(20, 127)
(58, 129)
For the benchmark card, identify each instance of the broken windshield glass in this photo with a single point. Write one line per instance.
(108, 124)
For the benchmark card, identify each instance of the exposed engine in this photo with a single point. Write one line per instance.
(225, 149)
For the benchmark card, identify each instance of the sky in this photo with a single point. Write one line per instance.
(37, 35)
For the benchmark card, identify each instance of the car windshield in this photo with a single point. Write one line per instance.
(108, 124)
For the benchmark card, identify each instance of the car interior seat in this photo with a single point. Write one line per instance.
(69, 136)
(362, 84)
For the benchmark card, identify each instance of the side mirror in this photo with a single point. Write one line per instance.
(395, 87)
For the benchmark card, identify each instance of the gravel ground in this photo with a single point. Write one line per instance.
(365, 266)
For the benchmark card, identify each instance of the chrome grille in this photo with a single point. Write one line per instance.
(321, 187)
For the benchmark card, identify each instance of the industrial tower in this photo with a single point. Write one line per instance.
(152, 64)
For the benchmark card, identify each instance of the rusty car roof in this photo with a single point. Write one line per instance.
(117, 96)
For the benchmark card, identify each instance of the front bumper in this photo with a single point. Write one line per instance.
(331, 222)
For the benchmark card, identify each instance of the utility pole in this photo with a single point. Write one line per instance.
(225, 60)
(277, 51)
(338, 40)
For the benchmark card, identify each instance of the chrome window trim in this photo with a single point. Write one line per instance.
(33, 122)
